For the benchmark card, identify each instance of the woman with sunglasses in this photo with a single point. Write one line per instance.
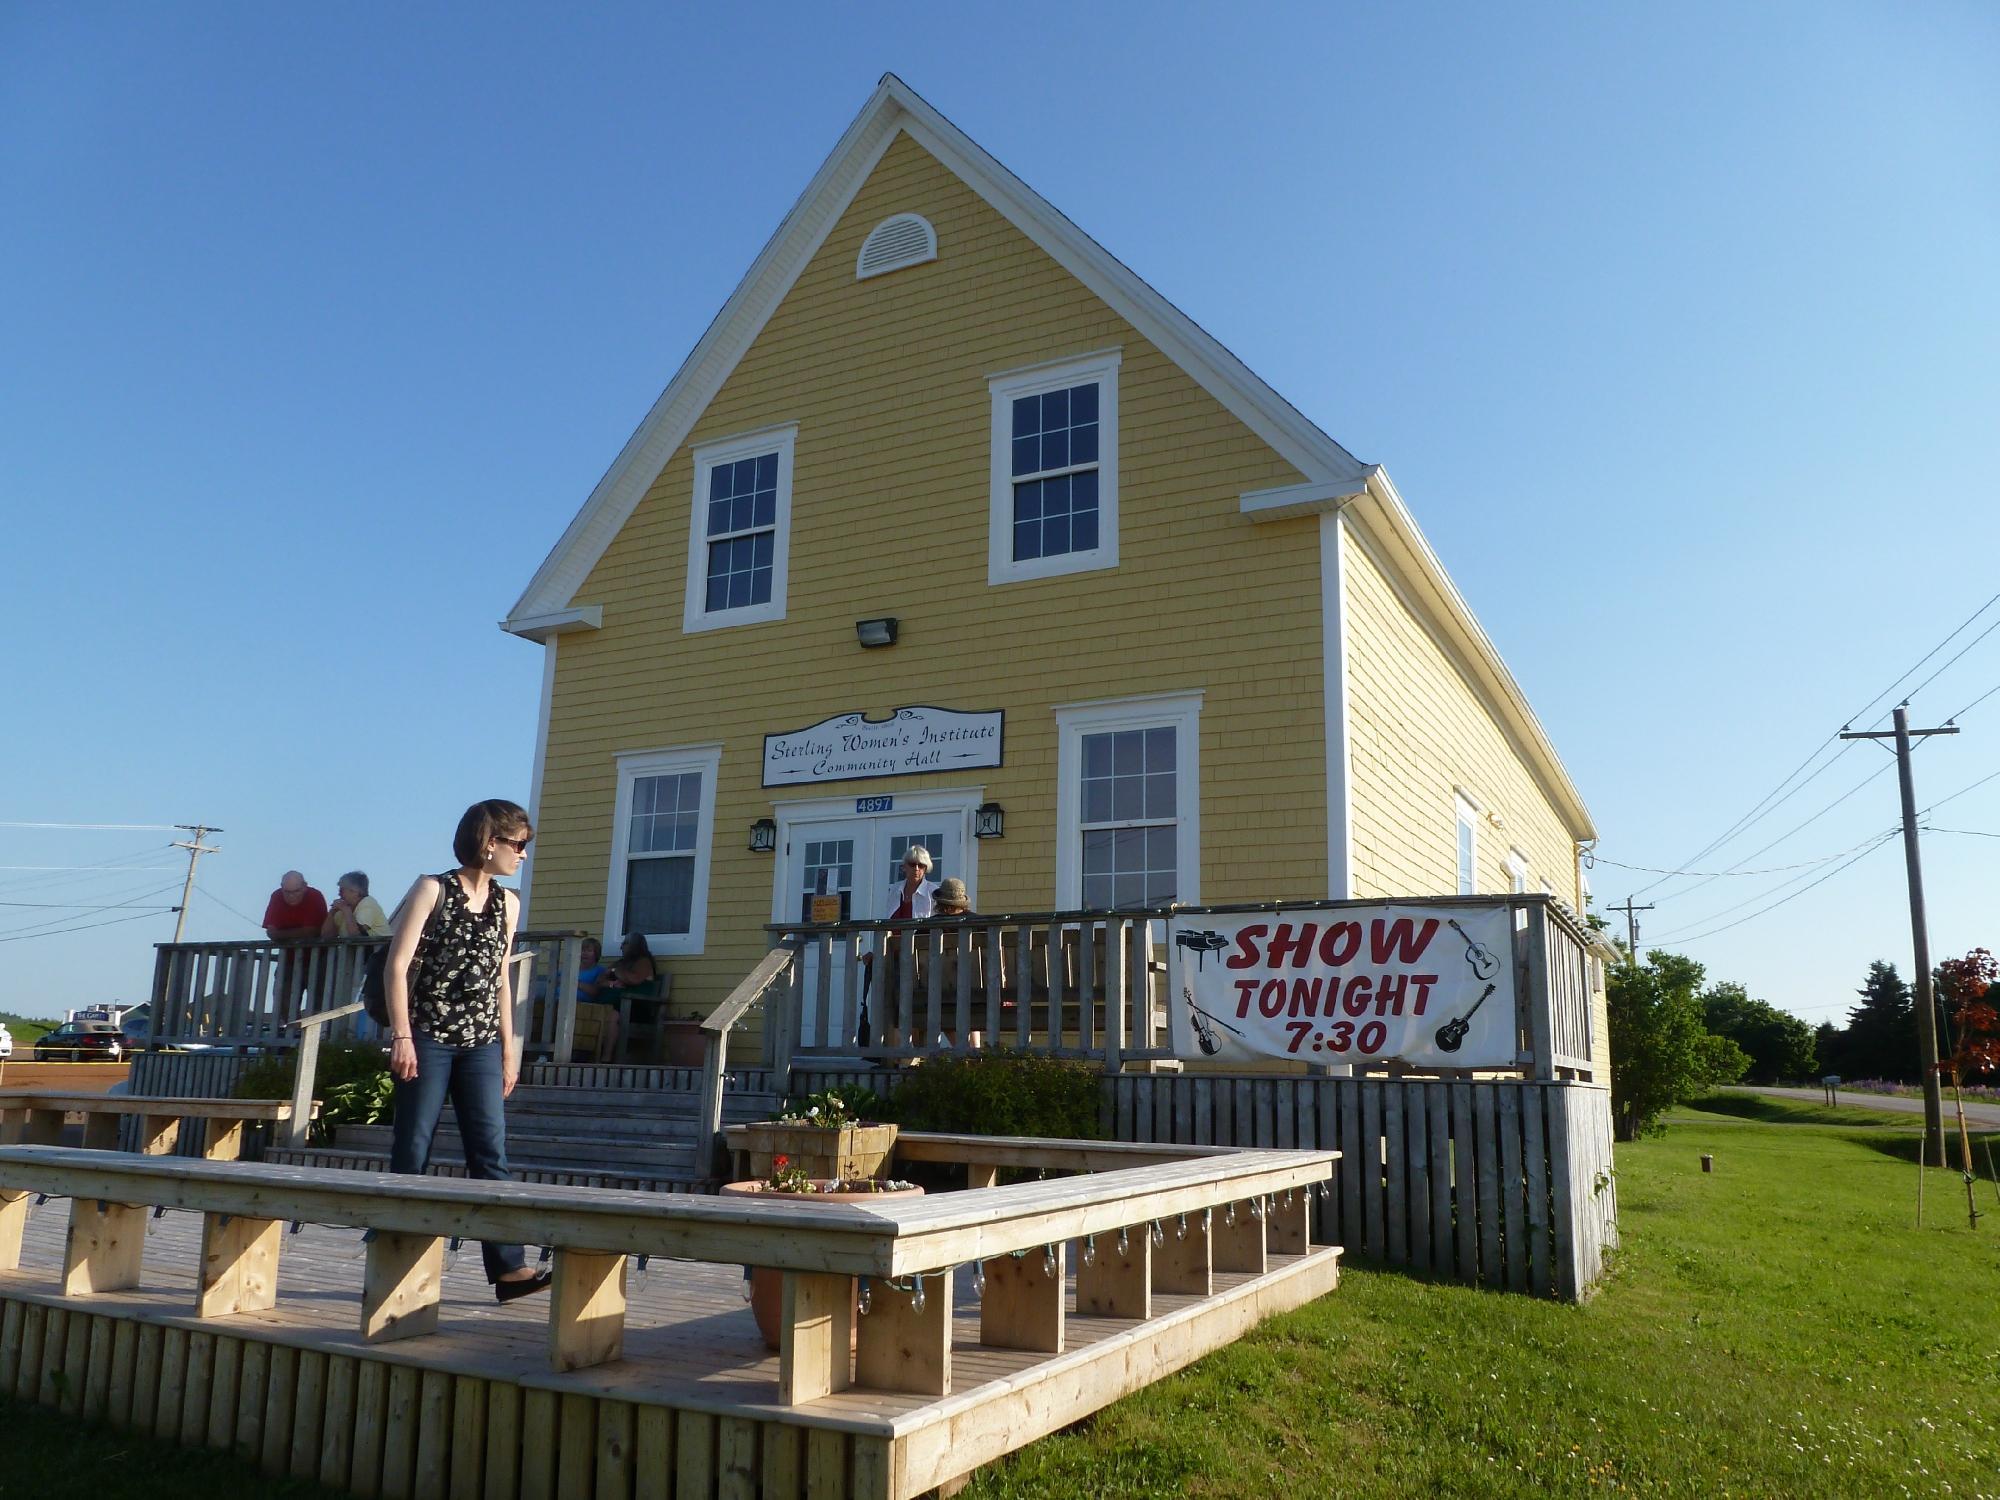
(451, 1013)
(908, 897)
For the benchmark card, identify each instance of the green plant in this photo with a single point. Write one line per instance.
(834, 1107)
(1000, 1093)
(352, 1082)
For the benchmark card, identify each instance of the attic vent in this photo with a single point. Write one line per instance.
(898, 241)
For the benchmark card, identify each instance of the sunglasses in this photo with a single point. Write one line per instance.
(519, 846)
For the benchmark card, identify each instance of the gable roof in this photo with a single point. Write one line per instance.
(1333, 477)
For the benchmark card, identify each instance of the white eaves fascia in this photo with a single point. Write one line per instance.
(555, 622)
(1288, 500)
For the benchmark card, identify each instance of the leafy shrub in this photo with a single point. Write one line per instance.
(352, 1082)
(1000, 1093)
(843, 1104)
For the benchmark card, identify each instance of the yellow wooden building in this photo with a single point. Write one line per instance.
(952, 530)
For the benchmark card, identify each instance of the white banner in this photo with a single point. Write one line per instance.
(1429, 986)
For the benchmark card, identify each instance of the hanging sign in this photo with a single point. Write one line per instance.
(910, 743)
(1427, 986)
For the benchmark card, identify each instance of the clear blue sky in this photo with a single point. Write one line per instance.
(1678, 330)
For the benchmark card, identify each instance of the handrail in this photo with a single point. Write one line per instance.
(1149, 913)
(715, 1028)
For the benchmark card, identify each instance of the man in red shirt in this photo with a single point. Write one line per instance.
(295, 910)
(292, 915)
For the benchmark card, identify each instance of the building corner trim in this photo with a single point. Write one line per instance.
(1339, 747)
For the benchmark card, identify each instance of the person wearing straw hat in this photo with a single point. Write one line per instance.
(950, 898)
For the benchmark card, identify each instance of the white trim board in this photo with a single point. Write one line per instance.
(1180, 710)
(707, 759)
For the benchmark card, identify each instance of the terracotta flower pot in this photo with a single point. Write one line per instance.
(767, 1287)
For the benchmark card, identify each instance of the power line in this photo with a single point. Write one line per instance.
(100, 865)
(1974, 703)
(1796, 828)
(23, 937)
(97, 827)
(1702, 936)
(1974, 833)
(29, 929)
(1948, 665)
(245, 916)
(1594, 858)
(1753, 899)
(1960, 792)
(1760, 810)
(77, 905)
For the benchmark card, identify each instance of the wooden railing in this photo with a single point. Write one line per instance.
(1093, 984)
(255, 994)
(1165, 1227)
(1071, 984)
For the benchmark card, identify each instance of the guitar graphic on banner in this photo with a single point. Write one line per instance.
(1478, 958)
(1452, 1033)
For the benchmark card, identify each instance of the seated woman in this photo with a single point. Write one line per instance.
(635, 969)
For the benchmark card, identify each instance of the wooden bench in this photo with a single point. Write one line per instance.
(1221, 1209)
(30, 1117)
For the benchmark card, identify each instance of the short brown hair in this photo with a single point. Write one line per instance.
(485, 821)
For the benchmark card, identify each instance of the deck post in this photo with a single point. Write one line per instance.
(1239, 1241)
(709, 1151)
(105, 1247)
(1184, 1262)
(1114, 1283)
(1023, 1305)
(222, 1139)
(401, 1286)
(40, 1127)
(815, 1336)
(305, 1074)
(1541, 995)
(239, 1265)
(586, 1309)
(1288, 1218)
(902, 1349)
(13, 1220)
(100, 1132)
(159, 1134)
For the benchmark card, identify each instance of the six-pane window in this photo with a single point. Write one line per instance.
(1130, 805)
(1055, 470)
(660, 853)
(742, 531)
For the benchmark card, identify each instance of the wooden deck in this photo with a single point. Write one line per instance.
(693, 1409)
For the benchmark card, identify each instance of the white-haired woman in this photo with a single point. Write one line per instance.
(911, 896)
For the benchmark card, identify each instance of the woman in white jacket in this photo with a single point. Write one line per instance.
(909, 897)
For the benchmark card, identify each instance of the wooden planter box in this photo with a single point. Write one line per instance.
(844, 1151)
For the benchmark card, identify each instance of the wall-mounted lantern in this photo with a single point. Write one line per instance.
(763, 836)
(989, 821)
(880, 632)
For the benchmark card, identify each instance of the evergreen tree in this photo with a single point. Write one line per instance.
(1881, 1036)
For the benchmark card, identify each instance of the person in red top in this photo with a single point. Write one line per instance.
(293, 915)
(295, 911)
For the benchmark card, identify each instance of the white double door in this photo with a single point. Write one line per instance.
(857, 859)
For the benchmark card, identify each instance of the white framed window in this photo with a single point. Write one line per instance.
(1128, 802)
(1517, 872)
(1468, 845)
(662, 831)
(1055, 469)
(740, 529)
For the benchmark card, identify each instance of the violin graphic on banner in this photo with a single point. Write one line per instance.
(1201, 944)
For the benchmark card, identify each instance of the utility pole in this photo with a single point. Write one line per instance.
(196, 849)
(1632, 925)
(1902, 734)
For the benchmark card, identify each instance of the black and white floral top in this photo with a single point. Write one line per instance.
(455, 981)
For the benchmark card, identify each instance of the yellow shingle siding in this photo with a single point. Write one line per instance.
(887, 381)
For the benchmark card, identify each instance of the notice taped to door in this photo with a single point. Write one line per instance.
(1429, 986)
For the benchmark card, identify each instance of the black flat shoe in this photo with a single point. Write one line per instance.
(524, 1286)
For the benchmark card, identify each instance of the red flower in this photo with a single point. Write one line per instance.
(781, 1161)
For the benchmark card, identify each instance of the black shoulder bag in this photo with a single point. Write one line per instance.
(375, 977)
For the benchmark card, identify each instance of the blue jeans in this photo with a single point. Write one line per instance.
(471, 1078)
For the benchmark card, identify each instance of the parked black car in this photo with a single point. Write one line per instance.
(82, 1041)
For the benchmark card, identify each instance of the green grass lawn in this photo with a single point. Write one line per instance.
(1780, 1328)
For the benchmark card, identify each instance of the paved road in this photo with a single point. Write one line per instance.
(63, 1077)
(1977, 1112)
